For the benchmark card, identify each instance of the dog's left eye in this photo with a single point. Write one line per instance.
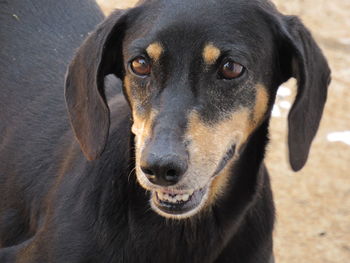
(140, 66)
(230, 70)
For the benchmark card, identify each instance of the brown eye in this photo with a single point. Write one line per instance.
(231, 70)
(140, 66)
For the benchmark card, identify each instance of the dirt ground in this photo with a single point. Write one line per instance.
(313, 205)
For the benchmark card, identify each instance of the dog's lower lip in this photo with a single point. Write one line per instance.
(179, 203)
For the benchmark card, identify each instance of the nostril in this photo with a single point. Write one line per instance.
(171, 175)
(147, 171)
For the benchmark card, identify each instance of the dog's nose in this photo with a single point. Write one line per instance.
(163, 170)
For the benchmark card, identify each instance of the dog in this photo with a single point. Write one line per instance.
(169, 104)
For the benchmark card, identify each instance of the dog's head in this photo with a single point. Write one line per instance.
(200, 77)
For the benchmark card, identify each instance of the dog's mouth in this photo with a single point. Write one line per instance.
(178, 203)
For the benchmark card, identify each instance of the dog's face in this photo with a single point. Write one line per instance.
(197, 91)
(200, 79)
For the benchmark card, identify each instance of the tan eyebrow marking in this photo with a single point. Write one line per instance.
(155, 50)
(210, 54)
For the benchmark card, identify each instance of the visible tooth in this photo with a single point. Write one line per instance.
(160, 195)
(185, 197)
(173, 198)
(168, 197)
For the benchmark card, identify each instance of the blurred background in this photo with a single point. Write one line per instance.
(313, 205)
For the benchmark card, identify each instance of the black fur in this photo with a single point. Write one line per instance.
(58, 207)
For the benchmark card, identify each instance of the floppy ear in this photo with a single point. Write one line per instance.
(98, 56)
(301, 58)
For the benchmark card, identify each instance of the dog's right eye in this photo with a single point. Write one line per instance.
(140, 66)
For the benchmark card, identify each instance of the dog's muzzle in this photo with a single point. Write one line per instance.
(175, 202)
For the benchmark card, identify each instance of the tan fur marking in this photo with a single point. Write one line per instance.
(261, 101)
(210, 137)
(127, 84)
(142, 127)
(155, 50)
(210, 54)
(209, 143)
(218, 186)
(219, 183)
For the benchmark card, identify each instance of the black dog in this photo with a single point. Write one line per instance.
(199, 79)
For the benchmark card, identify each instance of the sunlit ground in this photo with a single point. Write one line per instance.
(313, 206)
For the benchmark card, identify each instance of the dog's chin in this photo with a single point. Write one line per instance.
(179, 204)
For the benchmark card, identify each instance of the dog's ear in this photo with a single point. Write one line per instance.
(300, 57)
(98, 56)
